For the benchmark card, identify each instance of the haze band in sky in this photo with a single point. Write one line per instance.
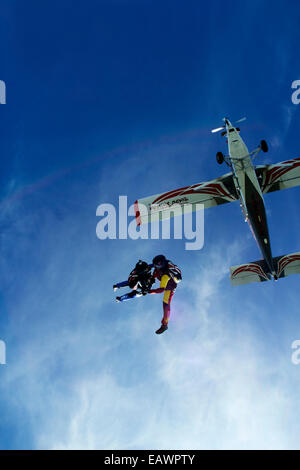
(182, 226)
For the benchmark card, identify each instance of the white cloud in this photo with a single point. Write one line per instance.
(203, 384)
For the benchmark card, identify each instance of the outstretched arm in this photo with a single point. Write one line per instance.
(163, 284)
(156, 291)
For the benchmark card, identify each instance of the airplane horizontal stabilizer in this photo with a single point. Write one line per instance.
(256, 271)
(287, 264)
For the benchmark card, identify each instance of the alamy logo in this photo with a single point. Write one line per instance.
(296, 354)
(2, 92)
(2, 352)
(107, 226)
(296, 94)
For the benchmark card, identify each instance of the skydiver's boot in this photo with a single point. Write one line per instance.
(120, 284)
(161, 329)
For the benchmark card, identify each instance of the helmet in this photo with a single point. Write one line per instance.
(141, 266)
(159, 261)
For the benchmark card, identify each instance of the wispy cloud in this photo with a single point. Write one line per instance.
(204, 384)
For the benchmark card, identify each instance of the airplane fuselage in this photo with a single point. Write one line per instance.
(249, 191)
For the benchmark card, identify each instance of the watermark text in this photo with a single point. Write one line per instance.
(2, 92)
(2, 352)
(187, 222)
(296, 354)
(296, 93)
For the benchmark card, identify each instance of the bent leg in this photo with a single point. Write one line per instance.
(168, 295)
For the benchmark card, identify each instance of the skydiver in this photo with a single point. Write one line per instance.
(140, 280)
(169, 275)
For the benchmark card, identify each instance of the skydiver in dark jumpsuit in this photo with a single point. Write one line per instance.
(140, 280)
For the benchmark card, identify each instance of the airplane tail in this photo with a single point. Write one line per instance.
(258, 271)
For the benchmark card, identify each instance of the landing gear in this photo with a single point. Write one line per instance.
(264, 146)
(220, 158)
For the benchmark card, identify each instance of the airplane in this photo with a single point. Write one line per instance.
(247, 184)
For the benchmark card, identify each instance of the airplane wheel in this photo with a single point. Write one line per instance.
(220, 158)
(264, 146)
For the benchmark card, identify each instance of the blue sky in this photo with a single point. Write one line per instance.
(109, 98)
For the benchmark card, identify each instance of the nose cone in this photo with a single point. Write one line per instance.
(228, 123)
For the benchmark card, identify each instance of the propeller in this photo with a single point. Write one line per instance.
(241, 120)
(218, 129)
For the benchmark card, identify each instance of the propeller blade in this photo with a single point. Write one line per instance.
(241, 120)
(217, 129)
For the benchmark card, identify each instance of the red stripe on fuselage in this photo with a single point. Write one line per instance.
(137, 213)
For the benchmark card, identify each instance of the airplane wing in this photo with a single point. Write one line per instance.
(165, 205)
(281, 175)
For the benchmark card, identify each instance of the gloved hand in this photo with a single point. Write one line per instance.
(176, 278)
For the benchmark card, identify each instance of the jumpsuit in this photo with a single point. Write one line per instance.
(167, 285)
